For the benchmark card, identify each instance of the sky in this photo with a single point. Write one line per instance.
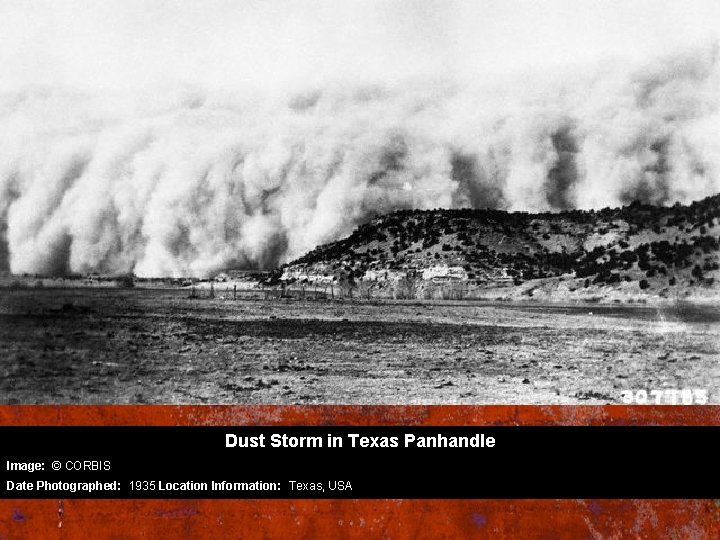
(179, 137)
(127, 44)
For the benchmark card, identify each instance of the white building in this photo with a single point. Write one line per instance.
(443, 272)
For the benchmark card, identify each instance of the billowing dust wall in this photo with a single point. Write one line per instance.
(187, 182)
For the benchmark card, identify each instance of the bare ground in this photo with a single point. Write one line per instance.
(159, 346)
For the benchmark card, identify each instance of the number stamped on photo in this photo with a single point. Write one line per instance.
(666, 396)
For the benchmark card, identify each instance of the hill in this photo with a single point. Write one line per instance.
(615, 253)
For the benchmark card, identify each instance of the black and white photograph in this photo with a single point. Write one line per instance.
(359, 202)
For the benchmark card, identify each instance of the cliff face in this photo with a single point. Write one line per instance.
(637, 249)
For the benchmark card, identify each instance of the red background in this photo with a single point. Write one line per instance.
(531, 519)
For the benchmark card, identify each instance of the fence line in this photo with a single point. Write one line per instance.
(364, 290)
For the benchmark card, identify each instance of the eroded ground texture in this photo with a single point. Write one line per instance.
(159, 346)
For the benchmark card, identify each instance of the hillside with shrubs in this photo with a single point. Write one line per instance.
(637, 249)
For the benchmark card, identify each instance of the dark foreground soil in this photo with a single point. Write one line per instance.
(159, 346)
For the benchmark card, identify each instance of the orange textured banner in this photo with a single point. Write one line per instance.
(505, 519)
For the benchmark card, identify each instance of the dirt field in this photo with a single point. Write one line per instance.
(159, 346)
